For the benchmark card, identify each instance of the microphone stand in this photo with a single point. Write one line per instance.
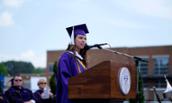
(119, 53)
(139, 96)
(157, 96)
(127, 55)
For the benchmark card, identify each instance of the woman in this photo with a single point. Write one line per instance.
(43, 94)
(72, 61)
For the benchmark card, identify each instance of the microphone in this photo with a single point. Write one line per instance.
(87, 47)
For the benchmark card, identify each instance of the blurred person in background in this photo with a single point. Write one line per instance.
(43, 94)
(17, 93)
(2, 99)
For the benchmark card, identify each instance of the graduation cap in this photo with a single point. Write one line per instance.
(75, 30)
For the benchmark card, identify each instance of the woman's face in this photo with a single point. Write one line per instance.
(42, 84)
(80, 41)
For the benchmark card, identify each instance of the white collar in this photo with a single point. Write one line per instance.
(77, 54)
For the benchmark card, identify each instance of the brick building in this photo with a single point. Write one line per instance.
(159, 63)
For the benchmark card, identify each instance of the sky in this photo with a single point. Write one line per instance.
(29, 28)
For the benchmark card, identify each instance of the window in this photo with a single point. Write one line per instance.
(161, 83)
(142, 66)
(160, 64)
(145, 83)
(50, 67)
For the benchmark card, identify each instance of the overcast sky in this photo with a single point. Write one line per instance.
(28, 28)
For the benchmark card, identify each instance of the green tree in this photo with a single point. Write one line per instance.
(39, 70)
(52, 79)
(140, 93)
(15, 67)
(140, 90)
(3, 69)
(3, 72)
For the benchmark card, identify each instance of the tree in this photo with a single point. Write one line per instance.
(3, 69)
(17, 67)
(52, 78)
(140, 90)
(39, 70)
(140, 93)
(3, 72)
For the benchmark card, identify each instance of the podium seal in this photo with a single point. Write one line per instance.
(124, 80)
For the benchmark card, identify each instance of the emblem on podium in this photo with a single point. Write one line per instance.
(124, 80)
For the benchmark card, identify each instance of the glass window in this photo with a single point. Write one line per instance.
(161, 83)
(50, 67)
(160, 64)
(142, 66)
(145, 83)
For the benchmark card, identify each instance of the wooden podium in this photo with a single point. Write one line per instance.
(101, 83)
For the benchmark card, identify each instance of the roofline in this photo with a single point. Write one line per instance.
(133, 47)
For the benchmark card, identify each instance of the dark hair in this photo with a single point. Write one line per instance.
(17, 75)
(82, 52)
(12, 80)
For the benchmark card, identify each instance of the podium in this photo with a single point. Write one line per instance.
(105, 82)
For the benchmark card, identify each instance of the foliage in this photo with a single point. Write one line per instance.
(39, 70)
(3, 72)
(140, 90)
(3, 69)
(17, 67)
(140, 93)
(53, 84)
(52, 79)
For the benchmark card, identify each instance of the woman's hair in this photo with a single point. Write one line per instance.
(82, 52)
(41, 80)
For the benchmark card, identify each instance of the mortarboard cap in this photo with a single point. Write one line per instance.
(75, 30)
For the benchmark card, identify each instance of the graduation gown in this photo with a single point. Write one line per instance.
(69, 65)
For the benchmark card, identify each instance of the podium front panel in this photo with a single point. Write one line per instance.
(92, 84)
(102, 81)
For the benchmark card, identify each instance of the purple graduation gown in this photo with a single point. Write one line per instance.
(68, 66)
